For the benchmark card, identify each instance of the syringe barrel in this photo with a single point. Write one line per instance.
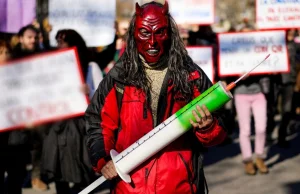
(176, 125)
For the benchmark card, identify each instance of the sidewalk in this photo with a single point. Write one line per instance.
(225, 173)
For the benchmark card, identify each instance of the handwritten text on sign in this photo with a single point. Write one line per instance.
(94, 20)
(39, 89)
(240, 52)
(274, 14)
(203, 57)
(192, 11)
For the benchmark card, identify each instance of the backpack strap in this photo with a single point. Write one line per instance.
(119, 94)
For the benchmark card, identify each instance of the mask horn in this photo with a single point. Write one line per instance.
(138, 9)
(165, 9)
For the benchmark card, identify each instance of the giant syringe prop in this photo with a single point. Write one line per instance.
(169, 130)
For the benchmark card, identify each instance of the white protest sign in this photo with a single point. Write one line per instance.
(94, 20)
(277, 14)
(193, 11)
(203, 56)
(40, 89)
(240, 52)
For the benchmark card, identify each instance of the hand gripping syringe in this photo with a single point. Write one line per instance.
(169, 130)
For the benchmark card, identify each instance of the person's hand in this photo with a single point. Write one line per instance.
(109, 170)
(298, 111)
(245, 76)
(29, 125)
(206, 119)
(85, 89)
(46, 25)
(36, 24)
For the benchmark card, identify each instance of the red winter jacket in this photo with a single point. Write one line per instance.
(175, 169)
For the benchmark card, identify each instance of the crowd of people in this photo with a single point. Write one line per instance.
(50, 148)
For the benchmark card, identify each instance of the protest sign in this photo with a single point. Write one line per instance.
(193, 11)
(39, 89)
(240, 52)
(203, 56)
(94, 20)
(277, 14)
(16, 14)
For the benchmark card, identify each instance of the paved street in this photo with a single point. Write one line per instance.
(225, 173)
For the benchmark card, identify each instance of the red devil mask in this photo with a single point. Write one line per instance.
(151, 31)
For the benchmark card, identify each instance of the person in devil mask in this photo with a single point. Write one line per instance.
(152, 80)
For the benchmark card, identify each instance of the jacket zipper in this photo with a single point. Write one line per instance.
(188, 172)
(145, 110)
(146, 175)
(148, 170)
